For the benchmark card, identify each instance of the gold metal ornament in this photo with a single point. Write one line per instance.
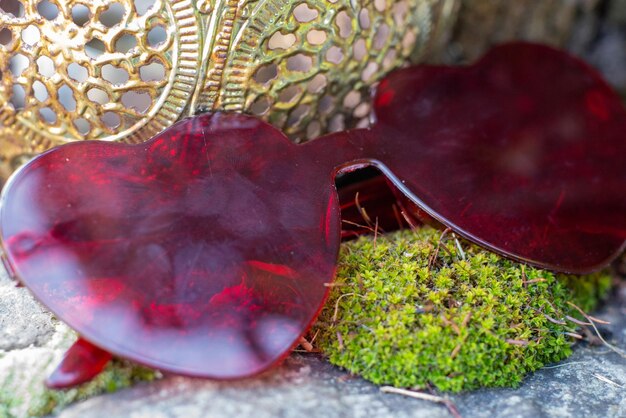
(127, 69)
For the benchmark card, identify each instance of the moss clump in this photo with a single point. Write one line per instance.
(118, 375)
(410, 310)
(41, 402)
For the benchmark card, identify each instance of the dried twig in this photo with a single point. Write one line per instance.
(592, 338)
(456, 351)
(525, 280)
(573, 334)
(537, 280)
(565, 364)
(464, 322)
(549, 318)
(466, 319)
(424, 397)
(340, 341)
(577, 321)
(598, 321)
(335, 284)
(451, 324)
(607, 380)
(517, 342)
(336, 312)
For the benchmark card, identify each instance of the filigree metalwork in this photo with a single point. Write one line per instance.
(307, 66)
(126, 69)
(96, 70)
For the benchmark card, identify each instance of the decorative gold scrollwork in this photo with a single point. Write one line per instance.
(127, 69)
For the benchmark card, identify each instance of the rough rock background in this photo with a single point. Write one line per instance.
(593, 29)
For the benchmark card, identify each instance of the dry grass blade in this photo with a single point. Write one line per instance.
(409, 221)
(521, 343)
(435, 254)
(466, 319)
(574, 335)
(549, 318)
(376, 232)
(336, 312)
(361, 210)
(620, 352)
(458, 246)
(537, 280)
(340, 341)
(572, 363)
(369, 228)
(598, 321)
(576, 321)
(335, 285)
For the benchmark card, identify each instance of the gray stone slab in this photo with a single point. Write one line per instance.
(23, 322)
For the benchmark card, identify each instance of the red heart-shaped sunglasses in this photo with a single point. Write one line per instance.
(206, 250)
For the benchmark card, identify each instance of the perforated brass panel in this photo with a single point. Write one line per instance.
(307, 67)
(127, 69)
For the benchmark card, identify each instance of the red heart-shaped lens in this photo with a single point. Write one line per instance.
(203, 252)
(524, 152)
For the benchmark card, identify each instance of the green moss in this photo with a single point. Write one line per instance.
(38, 401)
(8, 401)
(118, 375)
(410, 311)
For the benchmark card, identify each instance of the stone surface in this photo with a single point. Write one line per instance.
(23, 322)
(32, 341)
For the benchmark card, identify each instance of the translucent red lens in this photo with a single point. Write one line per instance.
(202, 252)
(206, 250)
(524, 152)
